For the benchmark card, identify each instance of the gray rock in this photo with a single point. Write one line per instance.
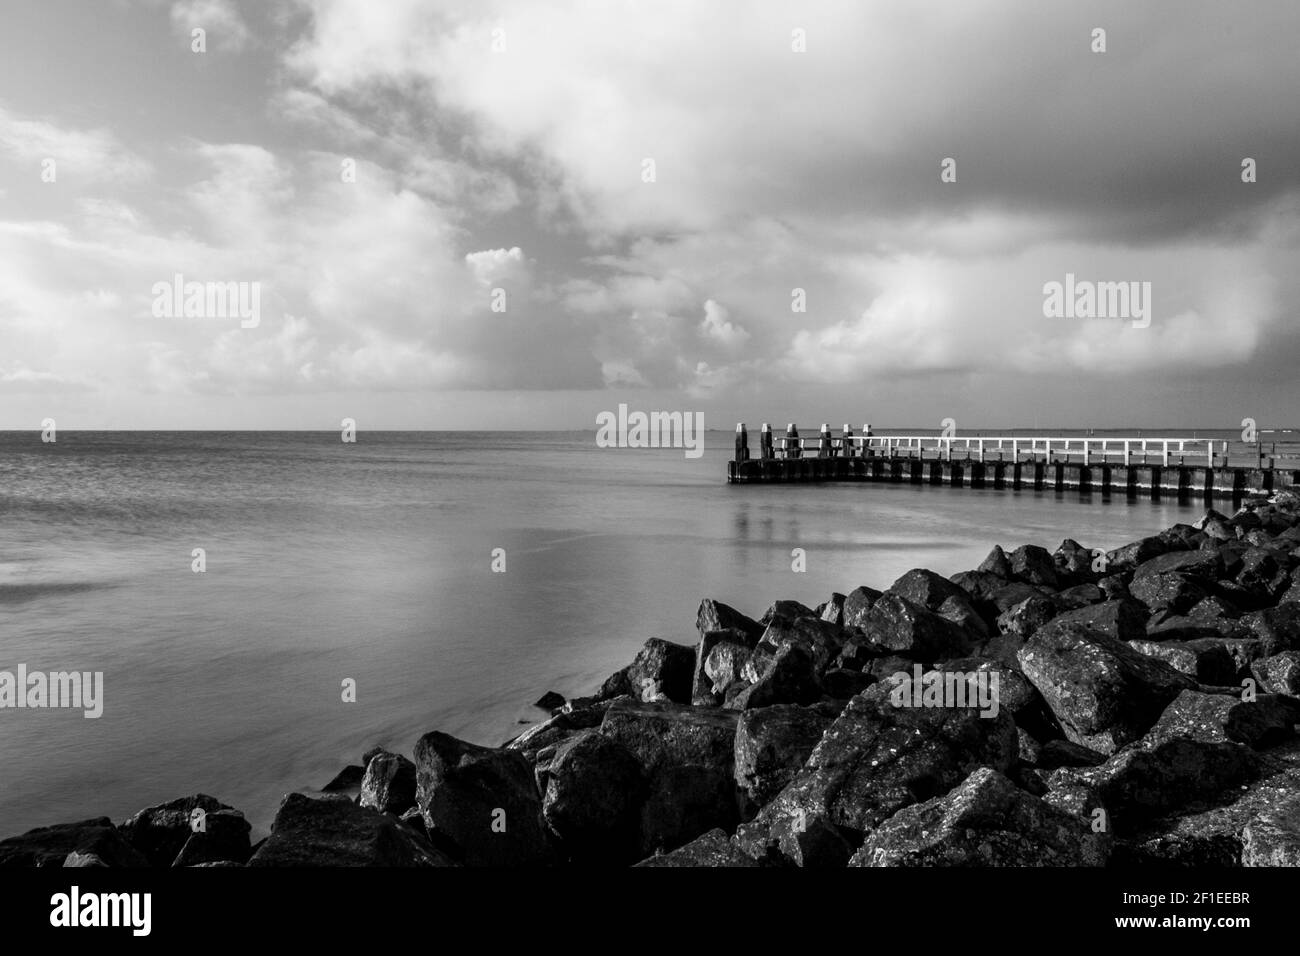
(709, 849)
(789, 677)
(662, 667)
(337, 832)
(593, 798)
(897, 624)
(1104, 693)
(1279, 674)
(702, 683)
(986, 821)
(480, 805)
(1273, 838)
(1267, 720)
(1207, 661)
(224, 839)
(857, 604)
(161, 831)
(389, 784)
(772, 744)
(716, 616)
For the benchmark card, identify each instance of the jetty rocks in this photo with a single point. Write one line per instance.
(1067, 708)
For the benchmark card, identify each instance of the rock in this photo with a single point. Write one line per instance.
(938, 594)
(1027, 616)
(1034, 565)
(702, 683)
(1064, 753)
(789, 677)
(389, 784)
(1206, 566)
(1073, 563)
(1009, 595)
(857, 604)
(725, 667)
(550, 701)
(820, 639)
(75, 859)
(1212, 609)
(834, 610)
(1104, 693)
(1263, 722)
(1120, 620)
(772, 744)
(1278, 629)
(1208, 661)
(997, 563)
(348, 779)
(1114, 587)
(785, 611)
(855, 655)
(338, 832)
(1273, 838)
(716, 616)
(662, 667)
(687, 757)
(617, 684)
(1279, 674)
(225, 839)
(1172, 591)
(872, 761)
(593, 798)
(562, 726)
(986, 821)
(1129, 556)
(468, 793)
(897, 624)
(981, 586)
(1157, 774)
(709, 849)
(160, 832)
(841, 683)
(1081, 595)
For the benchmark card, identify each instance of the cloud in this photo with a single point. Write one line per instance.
(220, 19)
(716, 327)
(81, 157)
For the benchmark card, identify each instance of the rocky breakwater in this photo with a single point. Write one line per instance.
(1067, 708)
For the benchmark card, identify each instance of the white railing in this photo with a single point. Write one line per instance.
(1089, 450)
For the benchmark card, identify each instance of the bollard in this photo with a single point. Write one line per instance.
(765, 443)
(824, 449)
(742, 442)
(793, 447)
(847, 441)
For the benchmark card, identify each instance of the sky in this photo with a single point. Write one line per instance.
(521, 213)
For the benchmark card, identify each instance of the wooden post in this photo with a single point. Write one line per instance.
(981, 450)
(1085, 452)
(824, 446)
(793, 447)
(742, 442)
(847, 441)
(765, 450)
(1126, 453)
(1164, 463)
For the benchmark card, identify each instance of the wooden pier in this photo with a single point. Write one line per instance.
(1133, 467)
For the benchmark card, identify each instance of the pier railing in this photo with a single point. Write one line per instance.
(1127, 451)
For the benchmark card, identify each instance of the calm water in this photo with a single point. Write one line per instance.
(372, 561)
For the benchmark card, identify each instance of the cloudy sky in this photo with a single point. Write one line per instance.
(503, 145)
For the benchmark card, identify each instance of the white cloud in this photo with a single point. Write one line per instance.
(219, 19)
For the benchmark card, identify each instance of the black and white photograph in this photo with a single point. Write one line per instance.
(505, 445)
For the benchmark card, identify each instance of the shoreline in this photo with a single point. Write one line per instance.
(1138, 707)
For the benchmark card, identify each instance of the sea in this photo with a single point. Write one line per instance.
(450, 577)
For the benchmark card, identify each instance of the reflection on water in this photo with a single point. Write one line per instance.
(372, 561)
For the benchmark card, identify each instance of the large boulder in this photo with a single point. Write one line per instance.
(875, 759)
(687, 757)
(1170, 591)
(857, 604)
(716, 616)
(703, 692)
(389, 784)
(1129, 556)
(334, 831)
(1279, 674)
(1272, 838)
(161, 831)
(712, 849)
(50, 846)
(1034, 565)
(1121, 619)
(1104, 693)
(822, 641)
(724, 668)
(788, 677)
(592, 803)
(1266, 720)
(897, 624)
(938, 594)
(480, 805)
(773, 743)
(662, 667)
(1204, 565)
(223, 839)
(1206, 659)
(986, 821)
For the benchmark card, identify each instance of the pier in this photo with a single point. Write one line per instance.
(1130, 466)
